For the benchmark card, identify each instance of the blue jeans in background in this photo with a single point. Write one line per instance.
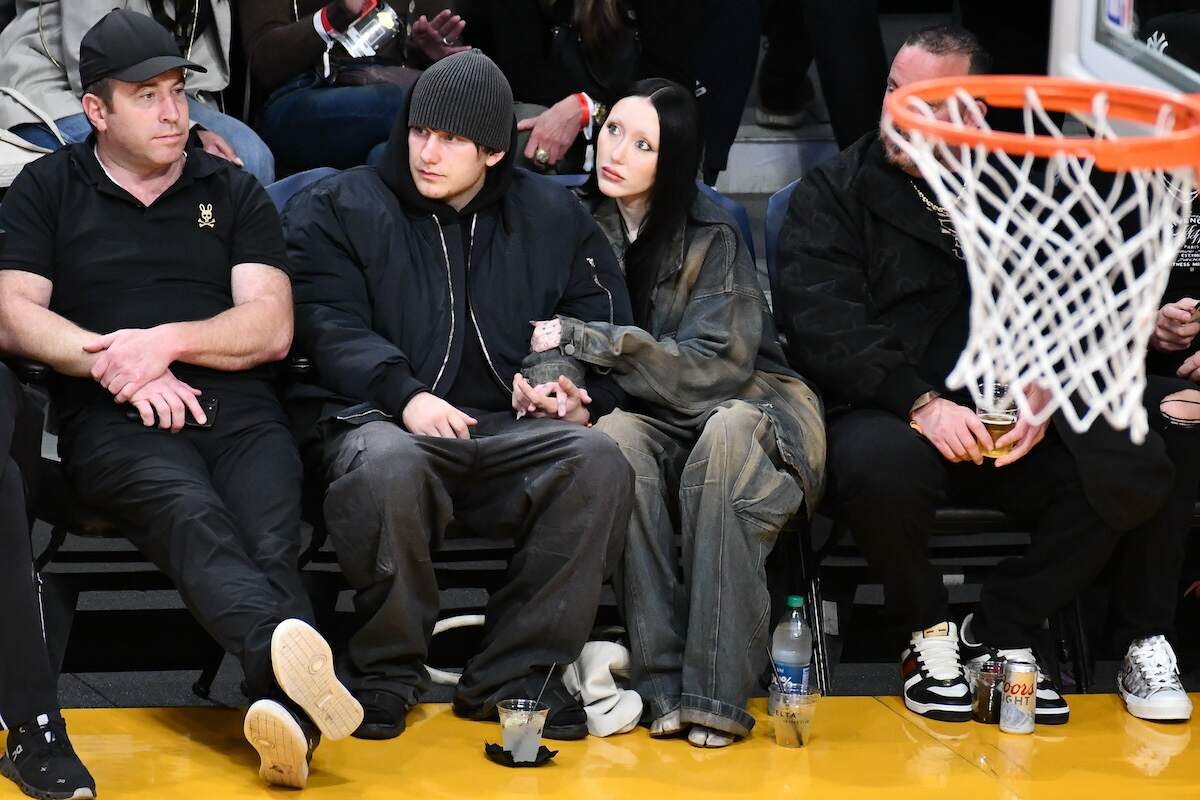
(246, 143)
(309, 124)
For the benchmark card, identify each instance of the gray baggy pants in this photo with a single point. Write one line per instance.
(699, 638)
(561, 491)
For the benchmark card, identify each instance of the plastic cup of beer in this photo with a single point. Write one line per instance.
(521, 723)
(792, 716)
(998, 413)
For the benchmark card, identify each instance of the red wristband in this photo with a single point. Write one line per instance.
(585, 110)
(324, 19)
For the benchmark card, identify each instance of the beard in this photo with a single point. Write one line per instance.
(897, 157)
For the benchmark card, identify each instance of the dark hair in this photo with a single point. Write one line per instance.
(674, 186)
(597, 21)
(103, 89)
(945, 40)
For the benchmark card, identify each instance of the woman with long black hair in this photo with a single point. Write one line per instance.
(726, 441)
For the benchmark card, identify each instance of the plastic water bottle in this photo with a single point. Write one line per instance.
(791, 649)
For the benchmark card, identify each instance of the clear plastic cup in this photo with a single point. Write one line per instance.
(792, 716)
(521, 723)
(998, 413)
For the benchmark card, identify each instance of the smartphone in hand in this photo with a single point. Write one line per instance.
(208, 404)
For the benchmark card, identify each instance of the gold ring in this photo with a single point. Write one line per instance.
(541, 156)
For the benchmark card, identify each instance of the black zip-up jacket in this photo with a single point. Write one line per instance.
(385, 297)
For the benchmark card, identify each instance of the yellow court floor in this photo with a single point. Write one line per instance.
(861, 747)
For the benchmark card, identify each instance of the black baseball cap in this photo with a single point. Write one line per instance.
(128, 46)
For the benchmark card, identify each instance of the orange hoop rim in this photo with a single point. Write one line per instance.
(1179, 148)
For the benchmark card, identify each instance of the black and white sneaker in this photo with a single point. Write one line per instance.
(1149, 682)
(285, 742)
(934, 684)
(1051, 709)
(40, 760)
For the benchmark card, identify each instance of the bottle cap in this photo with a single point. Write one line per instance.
(795, 601)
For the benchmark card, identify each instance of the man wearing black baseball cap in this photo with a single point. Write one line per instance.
(41, 53)
(127, 46)
(157, 278)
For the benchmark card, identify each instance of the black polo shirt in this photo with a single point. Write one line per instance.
(116, 263)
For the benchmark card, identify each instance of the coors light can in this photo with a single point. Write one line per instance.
(1019, 702)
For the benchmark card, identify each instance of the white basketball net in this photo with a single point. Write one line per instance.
(1066, 271)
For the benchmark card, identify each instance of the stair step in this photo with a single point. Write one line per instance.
(764, 160)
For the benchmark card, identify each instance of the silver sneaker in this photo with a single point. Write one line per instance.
(1149, 682)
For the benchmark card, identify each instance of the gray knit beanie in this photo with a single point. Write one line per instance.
(465, 94)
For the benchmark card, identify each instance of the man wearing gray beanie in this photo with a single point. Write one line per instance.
(415, 283)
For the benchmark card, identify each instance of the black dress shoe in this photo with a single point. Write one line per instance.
(383, 715)
(566, 719)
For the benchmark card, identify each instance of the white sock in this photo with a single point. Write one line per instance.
(668, 724)
(701, 736)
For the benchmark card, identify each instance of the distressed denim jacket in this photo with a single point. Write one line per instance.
(713, 340)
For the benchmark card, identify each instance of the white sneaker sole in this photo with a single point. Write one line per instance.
(1052, 716)
(1174, 712)
(280, 743)
(303, 666)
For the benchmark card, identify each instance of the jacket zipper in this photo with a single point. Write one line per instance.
(367, 413)
(470, 309)
(450, 286)
(612, 312)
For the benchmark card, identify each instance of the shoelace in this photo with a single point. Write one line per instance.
(1156, 662)
(940, 656)
(50, 740)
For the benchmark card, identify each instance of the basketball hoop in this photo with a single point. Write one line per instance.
(1068, 239)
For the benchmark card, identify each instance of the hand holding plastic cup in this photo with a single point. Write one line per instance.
(521, 723)
(792, 716)
(998, 413)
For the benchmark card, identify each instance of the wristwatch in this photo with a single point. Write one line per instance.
(922, 401)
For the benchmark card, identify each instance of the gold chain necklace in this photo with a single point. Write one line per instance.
(945, 223)
(932, 206)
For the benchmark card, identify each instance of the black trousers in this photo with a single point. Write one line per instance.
(1149, 559)
(844, 39)
(27, 684)
(218, 511)
(888, 481)
(561, 491)
(848, 48)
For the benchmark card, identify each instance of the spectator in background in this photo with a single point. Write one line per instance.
(327, 107)
(38, 756)
(843, 38)
(569, 60)
(726, 442)
(39, 55)
(1173, 28)
(153, 281)
(785, 90)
